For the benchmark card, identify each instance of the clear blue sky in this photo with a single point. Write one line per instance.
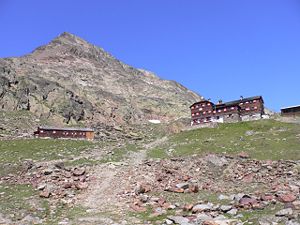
(219, 48)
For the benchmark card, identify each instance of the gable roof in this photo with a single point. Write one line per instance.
(236, 102)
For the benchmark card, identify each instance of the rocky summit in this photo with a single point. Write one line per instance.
(70, 80)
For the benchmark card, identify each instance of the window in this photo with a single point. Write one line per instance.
(247, 109)
(219, 110)
(54, 132)
(241, 103)
(208, 118)
(193, 114)
(225, 110)
(192, 107)
(197, 106)
(209, 111)
(246, 102)
(200, 109)
(204, 112)
(254, 100)
(214, 111)
(232, 108)
(255, 107)
(208, 103)
(203, 105)
(197, 113)
(218, 117)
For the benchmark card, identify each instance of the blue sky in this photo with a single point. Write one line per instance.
(219, 48)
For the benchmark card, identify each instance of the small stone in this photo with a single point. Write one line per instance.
(202, 207)
(194, 188)
(188, 207)
(45, 194)
(81, 185)
(78, 171)
(232, 212)
(223, 197)
(168, 222)
(296, 204)
(144, 198)
(182, 185)
(48, 171)
(59, 165)
(139, 189)
(179, 219)
(225, 208)
(41, 186)
(243, 155)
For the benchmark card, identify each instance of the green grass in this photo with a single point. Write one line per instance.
(40, 149)
(17, 201)
(270, 140)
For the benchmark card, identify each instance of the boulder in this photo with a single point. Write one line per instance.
(202, 207)
(285, 212)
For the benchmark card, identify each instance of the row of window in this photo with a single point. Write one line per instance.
(215, 111)
(203, 105)
(220, 110)
(248, 102)
(67, 133)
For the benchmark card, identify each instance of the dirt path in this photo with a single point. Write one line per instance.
(102, 197)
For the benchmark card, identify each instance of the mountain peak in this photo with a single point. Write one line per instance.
(68, 38)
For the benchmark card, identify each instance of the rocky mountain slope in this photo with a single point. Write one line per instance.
(72, 81)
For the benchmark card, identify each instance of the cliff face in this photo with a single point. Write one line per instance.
(70, 80)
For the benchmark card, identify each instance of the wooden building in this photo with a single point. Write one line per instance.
(244, 109)
(291, 111)
(54, 132)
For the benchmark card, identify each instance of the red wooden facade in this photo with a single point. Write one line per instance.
(206, 111)
(54, 132)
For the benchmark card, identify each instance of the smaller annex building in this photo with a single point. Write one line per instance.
(291, 111)
(243, 109)
(68, 132)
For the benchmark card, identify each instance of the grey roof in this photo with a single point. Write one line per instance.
(236, 102)
(290, 107)
(66, 128)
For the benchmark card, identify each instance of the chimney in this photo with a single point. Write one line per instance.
(241, 97)
(220, 101)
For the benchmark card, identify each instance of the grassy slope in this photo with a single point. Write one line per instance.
(264, 139)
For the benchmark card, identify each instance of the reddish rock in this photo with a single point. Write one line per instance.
(243, 155)
(288, 197)
(247, 201)
(67, 185)
(45, 194)
(248, 178)
(267, 197)
(78, 171)
(81, 185)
